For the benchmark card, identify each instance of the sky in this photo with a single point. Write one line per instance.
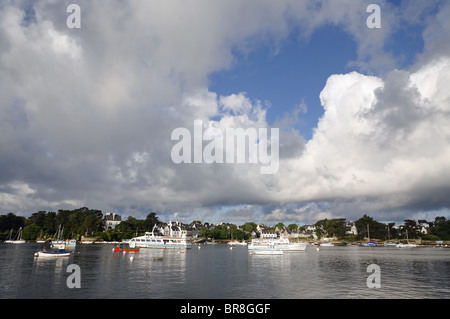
(87, 114)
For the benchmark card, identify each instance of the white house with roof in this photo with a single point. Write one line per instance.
(112, 220)
(174, 229)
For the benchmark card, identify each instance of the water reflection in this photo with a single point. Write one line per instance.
(216, 272)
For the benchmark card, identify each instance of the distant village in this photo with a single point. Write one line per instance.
(305, 232)
(84, 224)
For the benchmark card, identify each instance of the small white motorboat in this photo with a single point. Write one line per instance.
(237, 243)
(61, 252)
(267, 251)
(52, 254)
(406, 245)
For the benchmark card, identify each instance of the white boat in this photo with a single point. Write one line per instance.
(60, 252)
(58, 241)
(40, 240)
(150, 240)
(52, 254)
(71, 243)
(295, 247)
(237, 243)
(327, 244)
(408, 244)
(281, 243)
(267, 251)
(18, 239)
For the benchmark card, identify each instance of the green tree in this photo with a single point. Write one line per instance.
(441, 228)
(411, 227)
(249, 227)
(330, 227)
(367, 226)
(11, 221)
(31, 232)
(150, 221)
(236, 233)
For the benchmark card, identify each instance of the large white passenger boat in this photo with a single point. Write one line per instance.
(150, 240)
(281, 243)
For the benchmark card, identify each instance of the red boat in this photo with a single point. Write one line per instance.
(117, 249)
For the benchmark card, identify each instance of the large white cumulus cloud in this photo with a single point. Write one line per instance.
(377, 137)
(87, 114)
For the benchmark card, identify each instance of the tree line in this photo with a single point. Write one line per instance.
(367, 227)
(74, 224)
(90, 223)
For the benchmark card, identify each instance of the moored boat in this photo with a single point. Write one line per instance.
(57, 240)
(118, 249)
(406, 245)
(281, 243)
(237, 243)
(52, 254)
(370, 244)
(18, 239)
(150, 240)
(327, 244)
(388, 244)
(267, 251)
(61, 252)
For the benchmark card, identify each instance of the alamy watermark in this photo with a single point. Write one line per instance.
(374, 279)
(230, 146)
(74, 19)
(374, 19)
(74, 279)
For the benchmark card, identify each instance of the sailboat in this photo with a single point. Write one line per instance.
(18, 239)
(407, 245)
(59, 241)
(369, 243)
(40, 240)
(389, 243)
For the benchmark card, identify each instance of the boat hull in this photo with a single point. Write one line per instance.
(237, 243)
(267, 252)
(279, 246)
(406, 246)
(52, 254)
(159, 242)
(118, 249)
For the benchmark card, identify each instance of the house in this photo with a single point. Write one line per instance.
(174, 229)
(350, 228)
(112, 220)
(193, 230)
(265, 233)
(268, 234)
(423, 226)
(307, 234)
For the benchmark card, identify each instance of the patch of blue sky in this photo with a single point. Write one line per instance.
(296, 74)
(30, 14)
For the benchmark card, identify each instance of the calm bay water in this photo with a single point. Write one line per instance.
(215, 272)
